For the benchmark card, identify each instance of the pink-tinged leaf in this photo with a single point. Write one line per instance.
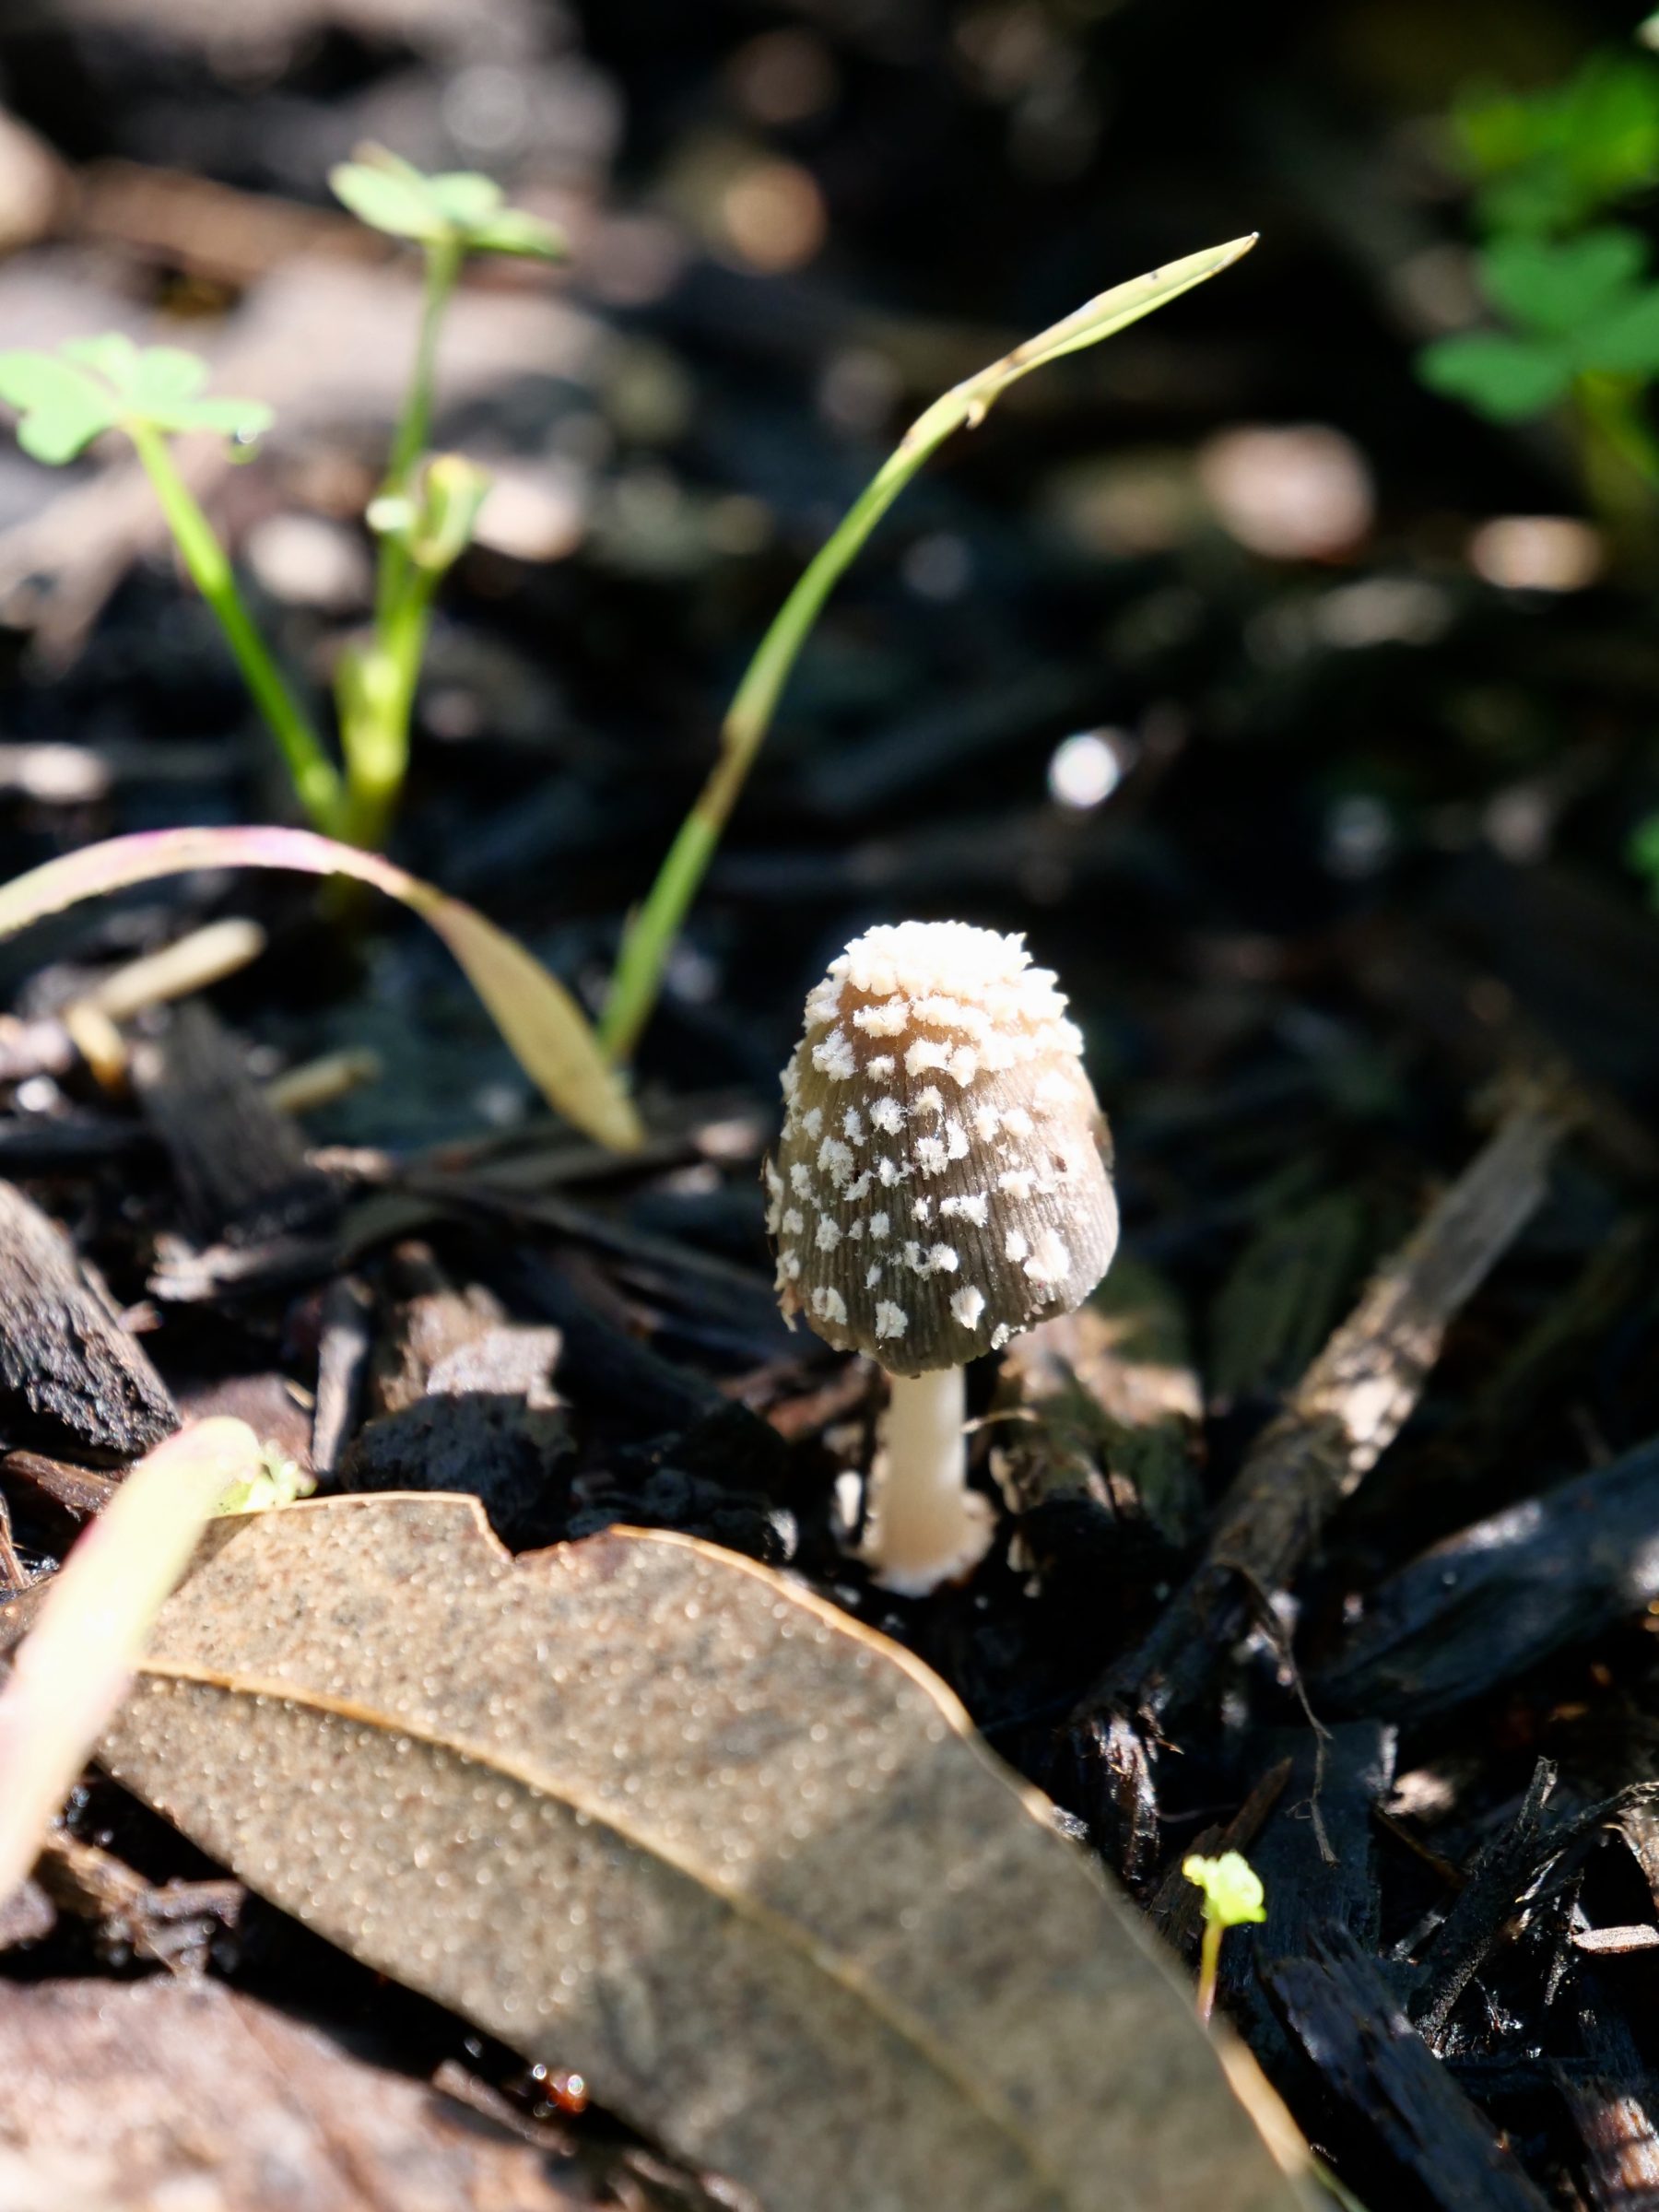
(549, 1033)
(75, 1666)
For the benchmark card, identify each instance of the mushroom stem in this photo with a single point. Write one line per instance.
(928, 1527)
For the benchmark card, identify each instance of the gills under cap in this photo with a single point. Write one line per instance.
(942, 1182)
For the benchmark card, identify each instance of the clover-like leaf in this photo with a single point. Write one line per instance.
(515, 230)
(1556, 287)
(63, 409)
(165, 376)
(1506, 379)
(94, 384)
(1551, 159)
(461, 207)
(1625, 340)
(389, 195)
(465, 197)
(112, 354)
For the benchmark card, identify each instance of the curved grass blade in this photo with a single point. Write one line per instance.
(73, 1667)
(546, 1030)
(652, 931)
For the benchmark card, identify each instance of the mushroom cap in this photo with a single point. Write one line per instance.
(942, 1180)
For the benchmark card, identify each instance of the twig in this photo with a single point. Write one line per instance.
(1341, 1417)
(1503, 1871)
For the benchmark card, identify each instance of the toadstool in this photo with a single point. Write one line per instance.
(941, 1184)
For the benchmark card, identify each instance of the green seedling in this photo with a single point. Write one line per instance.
(423, 517)
(423, 527)
(151, 394)
(651, 932)
(1578, 311)
(425, 513)
(1233, 1897)
(277, 1481)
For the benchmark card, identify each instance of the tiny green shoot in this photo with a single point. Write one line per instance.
(151, 394)
(423, 518)
(1233, 1897)
(276, 1481)
(423, 527)
(650, 932)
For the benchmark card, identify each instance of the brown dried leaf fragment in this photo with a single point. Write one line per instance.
(644, 1808)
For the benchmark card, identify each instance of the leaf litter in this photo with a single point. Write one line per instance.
(642, 1807)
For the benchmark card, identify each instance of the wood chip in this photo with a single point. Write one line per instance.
(125, 2097)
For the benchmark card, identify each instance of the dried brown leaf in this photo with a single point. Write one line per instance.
(641, 1808)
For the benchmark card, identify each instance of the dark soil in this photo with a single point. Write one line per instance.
(1362, 882)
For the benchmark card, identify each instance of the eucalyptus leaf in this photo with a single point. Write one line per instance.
(639, 1806)
(76, 1662)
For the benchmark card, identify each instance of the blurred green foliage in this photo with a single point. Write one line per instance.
(1576, 309)
(1547, 162)
(65, 399)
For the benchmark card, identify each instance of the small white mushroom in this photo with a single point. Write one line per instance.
(1016, 1160)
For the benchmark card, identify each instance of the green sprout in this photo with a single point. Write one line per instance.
(1233, 1896)
(653, 929)
(151, 394)
(277, 1481)
(448, 217)
(423, 516)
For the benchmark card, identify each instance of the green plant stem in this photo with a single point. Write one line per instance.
(1620, 459)
(652, 931)
(443, 260)
(315, 779)
(377, 698)
(1209, 1967)
(652, 928)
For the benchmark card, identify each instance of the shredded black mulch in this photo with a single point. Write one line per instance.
(1361, 887)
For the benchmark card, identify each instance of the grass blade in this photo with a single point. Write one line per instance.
(73, 1667)
(547, 1032)
(653, 928)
